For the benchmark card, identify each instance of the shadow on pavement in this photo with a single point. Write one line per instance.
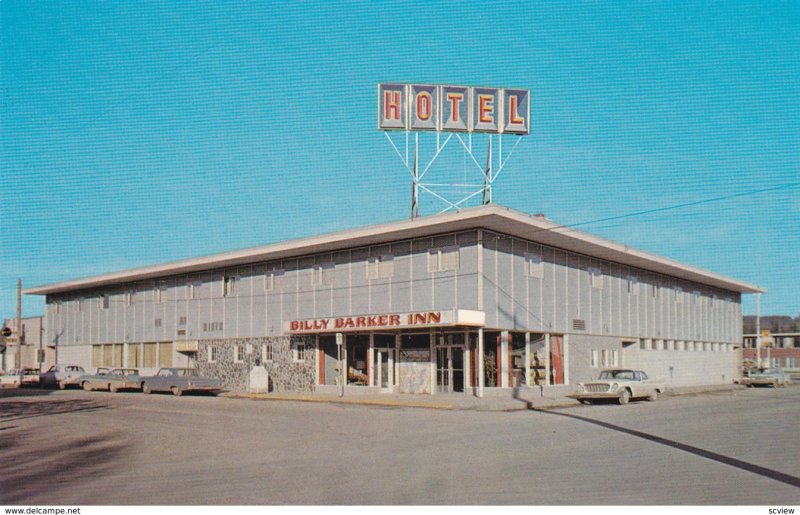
(22, 409)
(37, 467)
(703, 453)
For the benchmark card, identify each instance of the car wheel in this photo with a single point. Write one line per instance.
(146, 388)
(653, 396)
(87, 386)
(624, 397)
(176, 391)
(112, 388)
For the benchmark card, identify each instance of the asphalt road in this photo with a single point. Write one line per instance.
(79, 448)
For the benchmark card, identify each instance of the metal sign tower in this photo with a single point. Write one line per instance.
(455, 113)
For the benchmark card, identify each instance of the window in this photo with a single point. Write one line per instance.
(210, 327)
(596, 277)
(534, 266)
(229, 285)
(595, 360)
(133, 355)
(181, 320)
(160, 293)
(130, 298)
(323, 274)
(238, 353)
(605, 358)
(678, 295)
(441, 260)
(149, 355)
(266, 352)
(97, 355)
(57, 307)
(299, 352)
(213, 354)
(656, 288)
(158, 322)
(104, 301)
(193, 289)
(272, 280)
(633, 285)
(380, 267)
(79, 304)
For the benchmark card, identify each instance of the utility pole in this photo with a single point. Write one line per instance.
(18, 361)
(758, 330)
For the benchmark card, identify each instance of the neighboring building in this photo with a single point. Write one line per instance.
(454, 302)
(35, 352)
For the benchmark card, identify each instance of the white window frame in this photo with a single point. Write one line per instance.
(534, 265)
(299, 352)
(239, 353)
(438, 259)
(267, 351)
(595, 361)
(212, 353)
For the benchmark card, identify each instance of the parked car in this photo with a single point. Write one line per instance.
(61, 376)
(766, 377)
(178, 381)
(620, 384)
(10, 379)
(30, 376)
(113, 380)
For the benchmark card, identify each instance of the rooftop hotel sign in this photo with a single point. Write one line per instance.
(424, 107)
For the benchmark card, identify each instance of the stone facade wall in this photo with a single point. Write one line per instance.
(286, 373)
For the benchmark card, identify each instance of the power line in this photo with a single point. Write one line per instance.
(676, 206)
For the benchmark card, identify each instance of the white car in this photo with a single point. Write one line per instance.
(10, 379)
(62, 376)
(620, 384)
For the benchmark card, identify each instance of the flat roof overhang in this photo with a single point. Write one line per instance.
(491, 217)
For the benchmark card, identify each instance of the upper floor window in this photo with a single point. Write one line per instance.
(323, 274)
(380, 267)
(534, 266)
(633, 285)
(104, 301)
(160, 293)
(441, 260)
(596, 277)
(193, 289)
(229, 285)
(272, 280)
(679, 295)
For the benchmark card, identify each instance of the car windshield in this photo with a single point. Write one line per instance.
(616, 374)
(186, 372)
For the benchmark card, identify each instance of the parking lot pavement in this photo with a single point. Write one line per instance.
(728, 447)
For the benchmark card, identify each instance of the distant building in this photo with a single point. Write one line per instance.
(482, 298)
(780, 341)
(35, 351)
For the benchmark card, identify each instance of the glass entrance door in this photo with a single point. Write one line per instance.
(383, 367)
(450, 368)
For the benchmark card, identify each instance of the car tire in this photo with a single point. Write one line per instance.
(624, 397)
(176, 391)
(146, 389)
(87, 386)
(653, 396)
(112, 388)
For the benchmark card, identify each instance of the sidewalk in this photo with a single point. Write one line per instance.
(518, 399)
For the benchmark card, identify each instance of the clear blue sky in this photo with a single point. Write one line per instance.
(135, 133)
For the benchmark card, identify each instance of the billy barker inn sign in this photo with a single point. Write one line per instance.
(387, 321)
